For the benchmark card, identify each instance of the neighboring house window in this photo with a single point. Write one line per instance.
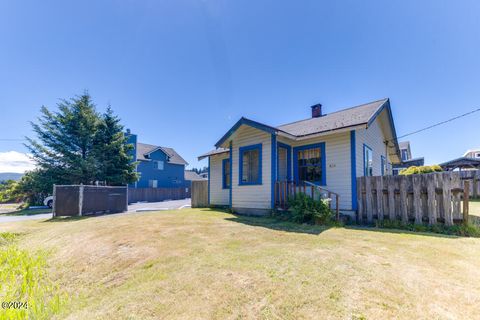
(226, 180)
(159, 165)
(152, 183)
(404, 154)
(309, 164)
(384, 166)
(367, 161)
(250, 165)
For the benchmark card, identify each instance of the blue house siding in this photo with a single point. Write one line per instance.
(172, 175)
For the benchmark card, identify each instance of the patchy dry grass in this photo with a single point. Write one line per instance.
(204, 264)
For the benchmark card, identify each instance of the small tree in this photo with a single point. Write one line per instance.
(34, 186)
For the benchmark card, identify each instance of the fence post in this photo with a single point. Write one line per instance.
(54, 200)
(417, 201)
(369, 199)
(447, 199)
(431, 195)
(126, 196)
(403, 200)
(391, 197)
(466, 199)
(379, 186)
(80, 200)
(475, 184)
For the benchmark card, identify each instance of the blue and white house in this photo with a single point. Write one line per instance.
(329, 150)
(159, 167)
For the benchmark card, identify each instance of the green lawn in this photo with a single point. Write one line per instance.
(207, 264)
(12, 209)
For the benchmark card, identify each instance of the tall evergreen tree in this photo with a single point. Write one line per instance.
(78, 145)
(66, 140)
(114, 164)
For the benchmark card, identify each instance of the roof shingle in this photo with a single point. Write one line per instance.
(173, 157)
(333, 121)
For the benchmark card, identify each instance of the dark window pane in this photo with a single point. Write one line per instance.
(250, 173)
(310, 165)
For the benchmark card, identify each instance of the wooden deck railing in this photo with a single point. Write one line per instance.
(285, 189)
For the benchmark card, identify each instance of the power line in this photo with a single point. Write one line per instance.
(437, 124)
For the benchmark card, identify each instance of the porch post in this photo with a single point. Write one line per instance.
(273, 168)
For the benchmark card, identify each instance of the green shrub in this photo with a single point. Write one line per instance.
(304, 209)
(420, 170)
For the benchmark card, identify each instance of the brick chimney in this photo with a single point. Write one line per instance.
(316, 111)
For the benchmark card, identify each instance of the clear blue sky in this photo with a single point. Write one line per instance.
(181, 73)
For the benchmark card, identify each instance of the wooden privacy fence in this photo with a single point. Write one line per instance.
(200, 194)
(285, 189)
(430, 198)
(474, 177)
(79, 200)
(157, 194)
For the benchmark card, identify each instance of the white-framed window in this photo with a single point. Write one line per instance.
(153, 183)
(159, 165)
(477, 155)
(367, 161)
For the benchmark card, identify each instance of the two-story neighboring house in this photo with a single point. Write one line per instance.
(406, 157)
(159, 167)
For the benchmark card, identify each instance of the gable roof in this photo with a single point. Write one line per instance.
(144, 150)
(462, 162)
(363, 114)
(345, 118)
(192, 176)
(213, 152)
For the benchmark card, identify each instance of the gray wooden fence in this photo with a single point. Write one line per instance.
(428, 198)
(474, 177)
(79, 200)
(200, 194)
(157, 194)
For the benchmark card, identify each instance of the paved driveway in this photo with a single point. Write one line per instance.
(158, 206)
(44, 216)
(132, 208)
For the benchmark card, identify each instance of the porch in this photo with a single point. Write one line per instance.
(283, 190)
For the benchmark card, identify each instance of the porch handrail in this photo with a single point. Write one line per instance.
(337, 196)
(321, 188)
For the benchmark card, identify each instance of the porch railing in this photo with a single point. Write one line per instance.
(285, 189)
